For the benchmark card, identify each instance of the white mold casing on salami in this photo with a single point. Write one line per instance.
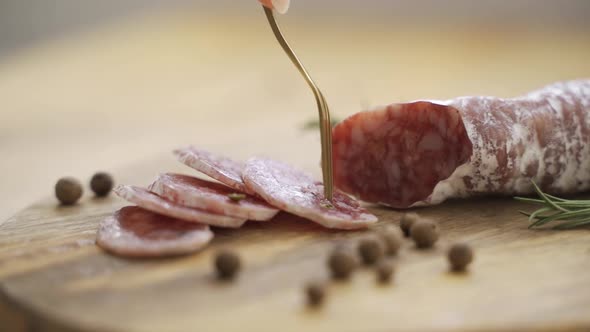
(498, 147)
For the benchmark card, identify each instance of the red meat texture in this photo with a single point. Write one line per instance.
(424, 152)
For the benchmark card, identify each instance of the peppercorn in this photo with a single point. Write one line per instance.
(391, 240)
(316, 293)
(425, 233)
(227, 264)
(342, 263)
(68, 190)
(407, 221)
(370, 250)
(460, 256)
(101, 183)
(384, 271)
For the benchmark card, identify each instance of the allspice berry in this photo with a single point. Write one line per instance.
(342, 263)
(227, 264)
(384, 271)
(101, 184)
(425, 233)
(407, 221)
(68, 190)
(370, 249)
(391, 239)
(460, 256)
(316, 293)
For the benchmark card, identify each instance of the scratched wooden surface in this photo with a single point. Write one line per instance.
(120, 98)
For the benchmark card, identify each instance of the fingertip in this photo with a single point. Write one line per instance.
(281, 6)
(267, 3)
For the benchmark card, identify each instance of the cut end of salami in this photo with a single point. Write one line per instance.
(423, 153)
(298, 193)
(210, 196)
(398, 154)
(220, 168)
(135, 232)
(154, 203)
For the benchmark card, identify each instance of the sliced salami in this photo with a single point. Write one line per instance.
(425, 152)
(221, 168)
(152, 202)
(210, 196)
(135, 232)
(298, 193)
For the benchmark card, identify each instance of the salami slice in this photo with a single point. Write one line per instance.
(296, 192)
(157, 204)
(221, 168)
(135, 232)
(210, 196)
(424, 152)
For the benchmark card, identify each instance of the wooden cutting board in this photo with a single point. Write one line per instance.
(120, 99)
(521, 279)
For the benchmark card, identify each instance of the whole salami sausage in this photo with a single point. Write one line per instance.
(424, 152)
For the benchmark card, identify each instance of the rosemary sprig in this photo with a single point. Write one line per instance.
(236, 197)
(314, 124)
(571, 213)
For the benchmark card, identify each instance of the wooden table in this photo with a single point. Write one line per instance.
(120, 98)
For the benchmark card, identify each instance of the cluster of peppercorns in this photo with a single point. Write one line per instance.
(425, 233)
(68, 190)
(376, 249)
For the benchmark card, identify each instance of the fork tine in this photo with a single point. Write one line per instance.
(327, 168)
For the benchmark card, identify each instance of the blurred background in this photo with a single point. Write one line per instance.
(26, 22)
(29, 21)
(90, 85)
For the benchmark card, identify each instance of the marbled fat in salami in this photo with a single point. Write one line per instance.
(210, 196)
(135, 232)
(221, 168)
(298, 193)
(424, 152)
(152, 202)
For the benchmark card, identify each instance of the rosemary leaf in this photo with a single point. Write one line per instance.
(536, 213)
(530, 200)
(573, 205)
(556, 198)
(526, 214)
(314, 124)
(546, 199)
(546, 219)
(570, 225)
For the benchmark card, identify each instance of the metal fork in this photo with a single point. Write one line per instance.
(324, 111)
